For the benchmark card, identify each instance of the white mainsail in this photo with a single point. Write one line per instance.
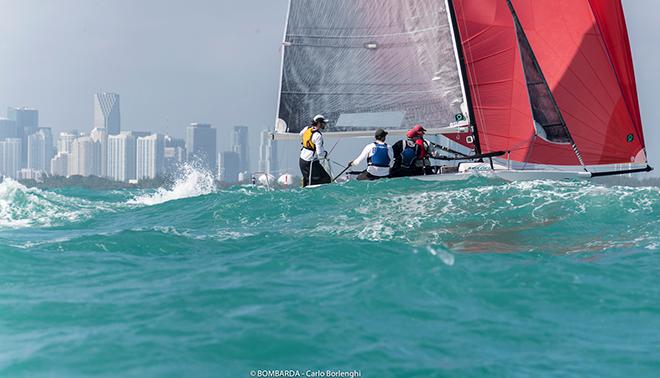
(370, 63)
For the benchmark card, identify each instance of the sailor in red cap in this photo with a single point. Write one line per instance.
(411, 154)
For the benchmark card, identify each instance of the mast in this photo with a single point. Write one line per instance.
(464, 78)
(272, 139)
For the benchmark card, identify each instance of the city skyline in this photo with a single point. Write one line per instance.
(29, 151)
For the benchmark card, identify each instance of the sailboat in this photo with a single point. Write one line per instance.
(516, 89)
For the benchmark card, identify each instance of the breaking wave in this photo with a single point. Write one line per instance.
(190, 182)
(22, 207)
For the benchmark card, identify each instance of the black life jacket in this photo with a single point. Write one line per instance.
(409, 153)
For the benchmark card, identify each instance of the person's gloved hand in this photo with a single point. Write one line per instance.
(350, 163)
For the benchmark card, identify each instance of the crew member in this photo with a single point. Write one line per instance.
(378, 155)
(412, 154)
(312, 149)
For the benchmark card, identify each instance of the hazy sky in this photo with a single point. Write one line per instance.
(177, 62)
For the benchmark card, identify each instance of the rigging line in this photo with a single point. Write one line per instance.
(335, 145)
(335, 163)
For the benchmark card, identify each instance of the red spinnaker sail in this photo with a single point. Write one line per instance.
(582, 49)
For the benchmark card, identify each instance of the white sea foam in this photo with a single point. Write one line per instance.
(192, 182)
(444, 256)
(502, 214)
(21, 206)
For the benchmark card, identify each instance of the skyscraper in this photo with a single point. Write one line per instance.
(121, 156)
(85, 159)
(229, 167)
(201, 145)
(10, 157)
(59, 164)
(65, 140)
(241, 147)
(27, 123)
(100, 136)
(267, 154)
(175, 152)
(106, 112)
(27, 119)
(40, 149)
(150, 156)
(8, 128)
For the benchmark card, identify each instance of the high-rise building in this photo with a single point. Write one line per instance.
(100, 136)
(150, 156)
(201, 145)
(8, 128)
(121, 156)
(65, 140)
(10, 157)
(59, 164)
(267, 154)
(175, 153)
(106, 112)
(27, 123)
(85, 157)
(40, 149)
(229, 167)
(241, 147)
(27, 119)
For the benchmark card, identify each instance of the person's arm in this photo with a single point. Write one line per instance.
(318, 141)
(421, 148)
(363, 155)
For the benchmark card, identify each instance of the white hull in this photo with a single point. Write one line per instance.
(468, 170)
(508, 175)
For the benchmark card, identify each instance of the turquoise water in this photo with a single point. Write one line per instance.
(397, 278)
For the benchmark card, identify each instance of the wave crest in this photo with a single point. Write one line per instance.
(21, 207)
(191, 182)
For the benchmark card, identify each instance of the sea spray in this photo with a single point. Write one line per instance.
(191, 181)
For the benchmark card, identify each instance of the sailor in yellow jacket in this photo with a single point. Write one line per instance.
(312, 150)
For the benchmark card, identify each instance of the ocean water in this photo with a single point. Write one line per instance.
(388, 279)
